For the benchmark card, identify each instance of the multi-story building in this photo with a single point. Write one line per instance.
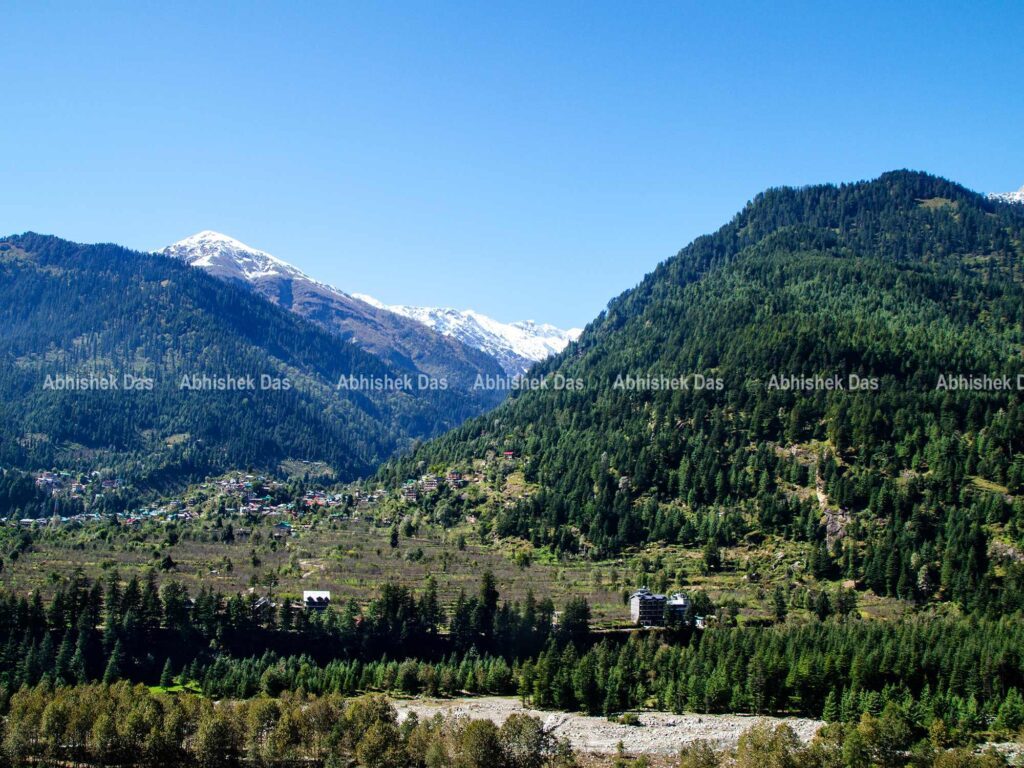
(648, 609)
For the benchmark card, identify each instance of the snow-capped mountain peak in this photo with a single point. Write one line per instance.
(1008, 197)
(515, 345)
(227, 257)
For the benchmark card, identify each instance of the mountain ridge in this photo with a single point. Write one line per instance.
(515, 346)
(1008, 197)
(403, 344)
(73, 313)
(895, 281)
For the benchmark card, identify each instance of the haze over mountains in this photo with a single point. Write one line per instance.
(386, 330)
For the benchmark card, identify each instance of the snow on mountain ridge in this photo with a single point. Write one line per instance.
(224, 256)
(516, 345)
(1008, 197)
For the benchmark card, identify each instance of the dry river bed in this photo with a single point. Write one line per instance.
(658, 732)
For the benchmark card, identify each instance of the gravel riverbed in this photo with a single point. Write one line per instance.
(658, 732)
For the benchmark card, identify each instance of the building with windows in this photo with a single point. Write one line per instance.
(648, 609)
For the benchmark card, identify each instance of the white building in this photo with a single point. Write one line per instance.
(648, 609)
(316, 599)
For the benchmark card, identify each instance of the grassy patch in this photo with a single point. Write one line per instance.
(191, 687)
(988, 485)
(936, 203)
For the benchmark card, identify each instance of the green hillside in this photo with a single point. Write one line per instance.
(908, 487)
(101, 311)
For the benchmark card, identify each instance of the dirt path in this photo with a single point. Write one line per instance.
(658, 733)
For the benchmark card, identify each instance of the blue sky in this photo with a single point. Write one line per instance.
(529, 160)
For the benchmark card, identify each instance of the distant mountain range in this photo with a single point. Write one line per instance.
(516, 346)
(97, 340)
(403, 343)
(1008, 197)
(395, 332)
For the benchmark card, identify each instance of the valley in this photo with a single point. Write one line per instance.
(759, 497)
(543, 385)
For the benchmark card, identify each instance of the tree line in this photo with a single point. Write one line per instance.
(135, 630)
(956, 676)
(128, 725)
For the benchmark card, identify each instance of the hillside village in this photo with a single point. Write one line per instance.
(254, 495)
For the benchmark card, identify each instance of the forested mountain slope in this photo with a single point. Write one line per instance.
(70, 310)
(908, 486)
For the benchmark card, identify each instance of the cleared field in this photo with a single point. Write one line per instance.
(352, 559)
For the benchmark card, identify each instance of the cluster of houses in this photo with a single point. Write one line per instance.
(68, 484)
(412, 490)
(364, 500)
(254, 495)
(33, 522)
(248, 488)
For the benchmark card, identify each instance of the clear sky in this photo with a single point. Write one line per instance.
(528, 160)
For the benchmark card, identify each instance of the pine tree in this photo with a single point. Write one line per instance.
(822, 606)
(167, 676)
(779, 604)
(830, 712)
(285, 618)
(430, 610)
(115, 665)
